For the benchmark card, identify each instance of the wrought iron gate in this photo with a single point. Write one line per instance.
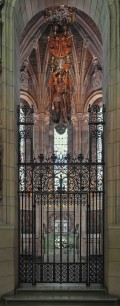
(61, 208)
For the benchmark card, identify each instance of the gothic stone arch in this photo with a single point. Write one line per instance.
(15, 16)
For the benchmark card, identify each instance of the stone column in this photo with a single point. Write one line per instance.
(41, 145)
(36, 137)
(75, 133)
(85, 135)
(51, 139)
(70, 139)
(9, 91)
(79, 134)
(48, 136)
(40, 134)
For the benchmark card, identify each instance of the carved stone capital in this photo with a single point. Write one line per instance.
(74, 120)
(42, 117)
(36, 118)
(46, 119)
(80, 118)
(85, 118)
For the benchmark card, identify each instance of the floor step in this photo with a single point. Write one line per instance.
(61, 290)
(59, 295)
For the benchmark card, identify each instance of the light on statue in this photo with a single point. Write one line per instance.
(60, 82)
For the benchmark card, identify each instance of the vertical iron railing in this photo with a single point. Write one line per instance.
(61, 228)
(96, 193)
(25, 193)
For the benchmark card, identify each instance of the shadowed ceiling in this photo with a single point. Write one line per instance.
(87, 46)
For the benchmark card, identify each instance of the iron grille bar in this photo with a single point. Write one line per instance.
(54, 257)
(87, 163)
(87, 240)
(41, 204)
(96, 198)
(74, 233)
(68, 242)
(103, 195)
(61, 230)
(53, 193)
(71, 218)
(80, 231)
(47, 229)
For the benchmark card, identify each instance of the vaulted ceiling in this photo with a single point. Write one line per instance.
(87, 47)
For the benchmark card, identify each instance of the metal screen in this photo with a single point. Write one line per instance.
(61, 208)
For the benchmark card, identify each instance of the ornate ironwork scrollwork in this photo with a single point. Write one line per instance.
(61, 208)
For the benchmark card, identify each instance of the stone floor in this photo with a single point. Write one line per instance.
(57, 295)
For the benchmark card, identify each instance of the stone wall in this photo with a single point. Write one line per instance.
(15, 15)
